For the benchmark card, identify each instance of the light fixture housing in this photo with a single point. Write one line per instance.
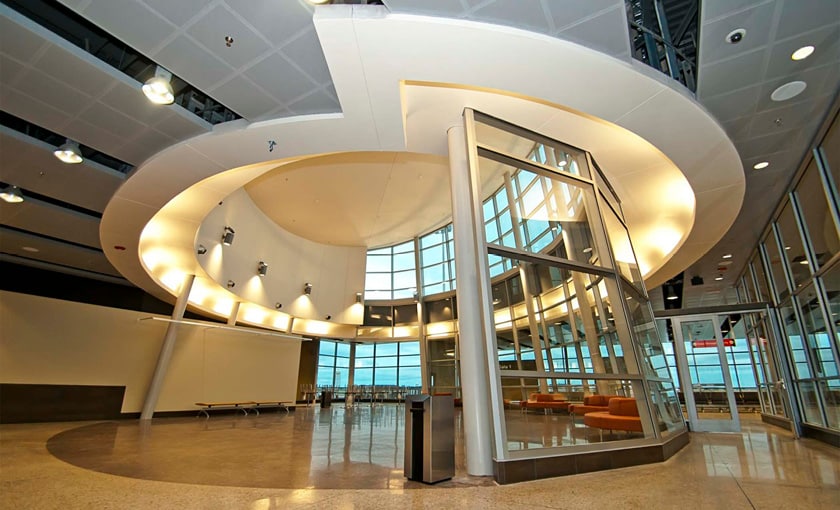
(670, 295)
(69, 153)
(158, 88)
(307, 288)
(358, 297)
(262, 268)
(727, 256)
(788, 91)
(11, 195)
(201, 250)
(227, 236)
(231, 284)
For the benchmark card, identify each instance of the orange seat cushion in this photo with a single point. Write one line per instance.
(582, 409)
(623, 407)
(605, 420)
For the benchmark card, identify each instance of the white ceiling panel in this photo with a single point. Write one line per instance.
(734, 73)
(55, 252)
(276, 23)
(791, 116)
(306, 52)
(734, 104)
(94, 135)
(178, 13)
(563, 14)
(10, 69)
(74, 71)
(526, 14)
(130, 21)
(739, 128)
(448, 8)
(144, 145)
(130, 101)
(713, 9)
(317, 102)
(62, 97)
(606, 32)
(757, 23)
(211, 29)
(31, 109)
(769, 142)
(182, 125)
(814, 78)
(52, 221)
(200, 69)
(17, 40)
(802, 15)
(115, 122)
(251, 102)
(280, 78)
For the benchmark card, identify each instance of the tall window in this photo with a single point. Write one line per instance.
(390, 272)
(333, 364)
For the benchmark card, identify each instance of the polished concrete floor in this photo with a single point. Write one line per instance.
(339, 458)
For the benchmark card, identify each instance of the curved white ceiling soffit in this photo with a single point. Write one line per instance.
(390, 73)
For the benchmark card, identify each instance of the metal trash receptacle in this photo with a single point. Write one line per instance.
(326, 399)
(429, 438)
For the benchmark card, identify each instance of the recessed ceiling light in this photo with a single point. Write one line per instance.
(761, 165)
(736, 36)
(30, 249)
(318, 2)
(719, 278)
(802, 53)
(727, 256)
(788, 91)
(803, 262)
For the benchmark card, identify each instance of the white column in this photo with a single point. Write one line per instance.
(234, 314)
(166, 350)
(474, 379)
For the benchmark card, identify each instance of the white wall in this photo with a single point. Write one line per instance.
(50, 341)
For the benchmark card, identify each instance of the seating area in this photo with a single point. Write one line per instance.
(591, 404)
(548, 402)
(621, 414)
(244, 406)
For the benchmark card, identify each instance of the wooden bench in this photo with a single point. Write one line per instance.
(244, 406)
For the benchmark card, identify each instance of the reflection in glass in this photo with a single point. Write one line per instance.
(776, 269)
(793, 249)
(822, 231)
(794, 337)
(817, 335)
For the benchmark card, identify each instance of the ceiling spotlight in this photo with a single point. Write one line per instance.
(736, 36)
(307, 289)
(278, 305)
(670, 294)
(358, 297)
(228, 41)
(761, 165)
(158, 89)
(262, 268)
(727, 256)
(328, 317)
(69, 153)
(719, 278)
(319, 2)
(12, 195)
(201, 250)
(227, 237)
(231, 284)
(802, 53)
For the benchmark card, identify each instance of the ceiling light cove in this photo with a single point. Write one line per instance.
(788, 91)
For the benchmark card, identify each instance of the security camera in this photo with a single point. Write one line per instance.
(735, 36)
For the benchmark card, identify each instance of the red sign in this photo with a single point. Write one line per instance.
(727, 342)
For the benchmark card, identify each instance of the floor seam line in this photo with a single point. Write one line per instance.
(740, 488)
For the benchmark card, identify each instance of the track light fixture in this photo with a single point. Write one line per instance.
(69, 153)
(12, 195)
(328, 317)
(201, 250)
(670, 294)
(231, 284)
(158, 89)
(307, 289)
(227, 237)
(358, 297)
(278, 305)
(262, 268)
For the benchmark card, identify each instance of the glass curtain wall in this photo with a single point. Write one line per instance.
(572, 317)
(389, 369)
(797, 268)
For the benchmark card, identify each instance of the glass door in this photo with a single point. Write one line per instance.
(704, 373)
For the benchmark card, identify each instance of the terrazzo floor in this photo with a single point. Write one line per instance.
(340, 458)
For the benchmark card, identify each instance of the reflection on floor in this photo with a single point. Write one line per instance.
(337, 458)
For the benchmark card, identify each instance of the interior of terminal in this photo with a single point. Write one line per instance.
(332, 252)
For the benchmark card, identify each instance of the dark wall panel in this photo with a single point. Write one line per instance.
(26, 403)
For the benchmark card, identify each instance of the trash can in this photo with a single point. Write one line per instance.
(429, 438)
(326, 399)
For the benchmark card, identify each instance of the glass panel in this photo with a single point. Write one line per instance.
(326, 348)
(831, 282)
(808, 400)
(792, 242)
(363, 376)
(760, 279)
(364, 351)
(625, 259)
(776, 269)
(403, 261)
(410, 377)
(410, 348)
(815, 212)
(545, 204)
(830, 149)
(378, 263)
(389, 349)
(830, 391)
(794, 337)
(818, 339)
(342, 349)
(705, 370)
(405, 280)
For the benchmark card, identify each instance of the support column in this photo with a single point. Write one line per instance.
(474, 377)
(166, 350)
(234, 314)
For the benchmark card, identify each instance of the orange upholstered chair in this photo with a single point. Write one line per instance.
(622, 414)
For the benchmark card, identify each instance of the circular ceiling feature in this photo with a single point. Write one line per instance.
(761, 165)
(788, 91)
(736, 36)
(802, 53)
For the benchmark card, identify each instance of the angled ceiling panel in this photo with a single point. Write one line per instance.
(54, 252)
(52, 221)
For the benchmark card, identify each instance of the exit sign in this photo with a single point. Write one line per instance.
(699, 344)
